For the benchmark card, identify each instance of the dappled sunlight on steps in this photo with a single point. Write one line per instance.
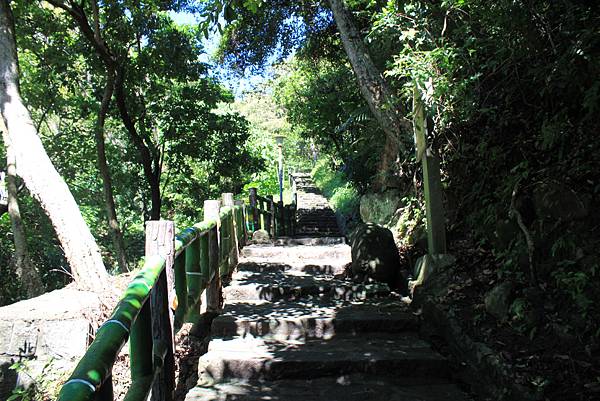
(295, 328)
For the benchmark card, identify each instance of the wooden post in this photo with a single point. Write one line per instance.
(160, 240)
(294, 189)
(140, 344)
(267, 209)
(193, 276)
(272, 216)
(436, 226)
(234, 252)
(213, 291)
(227, 199)
(242, 223)
(254, 209)
(281, 210)
(434, 207)
(292, 219)
(181, 282)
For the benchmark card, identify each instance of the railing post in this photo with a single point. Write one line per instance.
(272, 217)
(281, 219)
(292, 219)
(213, 291)
(160, 240)
(241, 223)
(190, 260)
(288, 220)
(267, 209)
(434, 207)
(254, 208)
(233, 253)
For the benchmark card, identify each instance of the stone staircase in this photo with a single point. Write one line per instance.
(314, 216)
(294, 329)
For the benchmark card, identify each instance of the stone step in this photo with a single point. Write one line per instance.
(320, 220)
(316, 216)
(322, 226)
(289, 241)
(331, 266)
(315, 231)
(353, 387)
(325, 319)
(306, 231)
(249, 358)
(317, 219)
(318, 225)
(293, 285)
(295, 253)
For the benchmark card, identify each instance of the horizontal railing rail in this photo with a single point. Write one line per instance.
(164, 295)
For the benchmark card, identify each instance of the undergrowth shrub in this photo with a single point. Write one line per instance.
(342, 196)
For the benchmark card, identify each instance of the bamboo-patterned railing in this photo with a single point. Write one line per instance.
(165, 294)
(277, 219)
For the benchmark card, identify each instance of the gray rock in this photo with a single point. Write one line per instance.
(379, 208)
(375, 256)
(498, 299)
(430, 265)
(261, 237)
(52, 327)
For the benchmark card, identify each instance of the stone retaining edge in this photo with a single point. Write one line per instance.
(487, 375)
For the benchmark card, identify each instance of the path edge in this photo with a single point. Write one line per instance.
(484, 369)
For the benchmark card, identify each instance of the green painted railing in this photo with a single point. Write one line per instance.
(277, 219)
(165, 294)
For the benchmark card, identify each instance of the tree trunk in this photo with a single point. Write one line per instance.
(148, 158)
(38, 172)
(150, 166)
(156, 198)
(28, 276)
(387, 162)
(372, 86)
(109, 200)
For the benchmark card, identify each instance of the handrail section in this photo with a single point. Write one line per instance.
(277, 219)
(165, 294)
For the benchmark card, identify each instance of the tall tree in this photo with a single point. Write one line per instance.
(115, 66)
(99, 136)
(109, 200)
(38, 172)
(152, 59)
(28, 276)
(373, 87)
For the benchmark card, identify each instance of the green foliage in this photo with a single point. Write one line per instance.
(44, 387)
(199, 147)
(266, 120)
(411, 224)
(576, 285)
(323, 107)
(344, 199)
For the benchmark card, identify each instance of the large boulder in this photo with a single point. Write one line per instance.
(375, 256)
